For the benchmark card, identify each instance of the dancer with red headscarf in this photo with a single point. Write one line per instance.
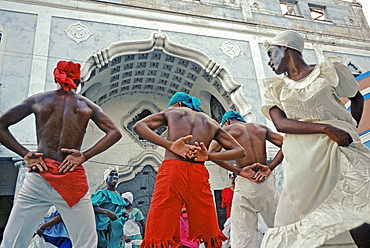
(56, 176)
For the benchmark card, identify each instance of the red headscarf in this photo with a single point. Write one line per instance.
(65, 73)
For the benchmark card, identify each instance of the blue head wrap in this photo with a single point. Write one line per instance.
(231, 115)
(191, 102)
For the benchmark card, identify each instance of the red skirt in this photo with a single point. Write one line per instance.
(178, 183)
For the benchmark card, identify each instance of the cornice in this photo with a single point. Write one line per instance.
(209, 22)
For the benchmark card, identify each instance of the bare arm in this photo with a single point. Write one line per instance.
(277, 160)
(33, 160)
(233, 150)
(265, 170)
(9, 118)
(357, 106)
(112, 135)
(273, 137)
(98, 210)
(57, 219)
(216, 147)
(145, 129)
(285, 125)
(142, 223)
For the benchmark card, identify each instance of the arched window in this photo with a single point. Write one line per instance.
(142, 110)
(217, 111)
(142, 115)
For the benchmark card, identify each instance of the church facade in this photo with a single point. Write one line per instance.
(136, 54)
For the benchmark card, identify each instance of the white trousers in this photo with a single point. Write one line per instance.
(34, 200)
(249, 199)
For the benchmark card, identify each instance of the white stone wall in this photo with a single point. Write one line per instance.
(39, 34)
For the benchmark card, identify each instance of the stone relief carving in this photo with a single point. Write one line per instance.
(257, 5)
(78, 32)
(350, 20)
(231, 49)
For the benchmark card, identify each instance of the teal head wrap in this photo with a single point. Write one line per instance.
(231, 115)
(191, 102)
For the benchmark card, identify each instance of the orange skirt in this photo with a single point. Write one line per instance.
(178, 183)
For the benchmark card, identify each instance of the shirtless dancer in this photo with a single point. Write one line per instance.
(258, 193)
(181, 177)
(56, 176)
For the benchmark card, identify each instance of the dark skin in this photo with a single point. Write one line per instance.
(293, 64)
(61, 122)
(196, 129)
(252, 137)
(189, 135)
(142, 222)
(290, 61)
(112, 181)
(57, 219)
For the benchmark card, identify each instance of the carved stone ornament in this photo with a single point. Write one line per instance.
(194, 64)
(230, 49)
(257, 5)
(78, 32)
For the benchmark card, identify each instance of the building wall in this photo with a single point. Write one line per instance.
(37, 34)
(364, 127)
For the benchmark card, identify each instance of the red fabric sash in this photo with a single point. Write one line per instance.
(71, 186)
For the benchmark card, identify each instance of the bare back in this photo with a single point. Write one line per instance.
(184, 121)
(252, 137)
(61, 121)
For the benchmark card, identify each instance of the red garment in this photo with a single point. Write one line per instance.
(65, 73)
(180, 182)
(71, 186)
(227, 198)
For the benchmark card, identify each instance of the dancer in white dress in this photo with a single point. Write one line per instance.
(326, 167)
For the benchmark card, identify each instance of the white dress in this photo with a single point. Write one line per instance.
(326, 187)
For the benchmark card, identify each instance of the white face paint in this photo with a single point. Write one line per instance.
(276, 55)
(113, 177)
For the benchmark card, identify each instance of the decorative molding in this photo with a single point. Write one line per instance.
(244, 105)
(230, 49)
(257, 6)
(160, 41)
(128, 121)
(147, 157)
(350, 20)
(78, 32)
